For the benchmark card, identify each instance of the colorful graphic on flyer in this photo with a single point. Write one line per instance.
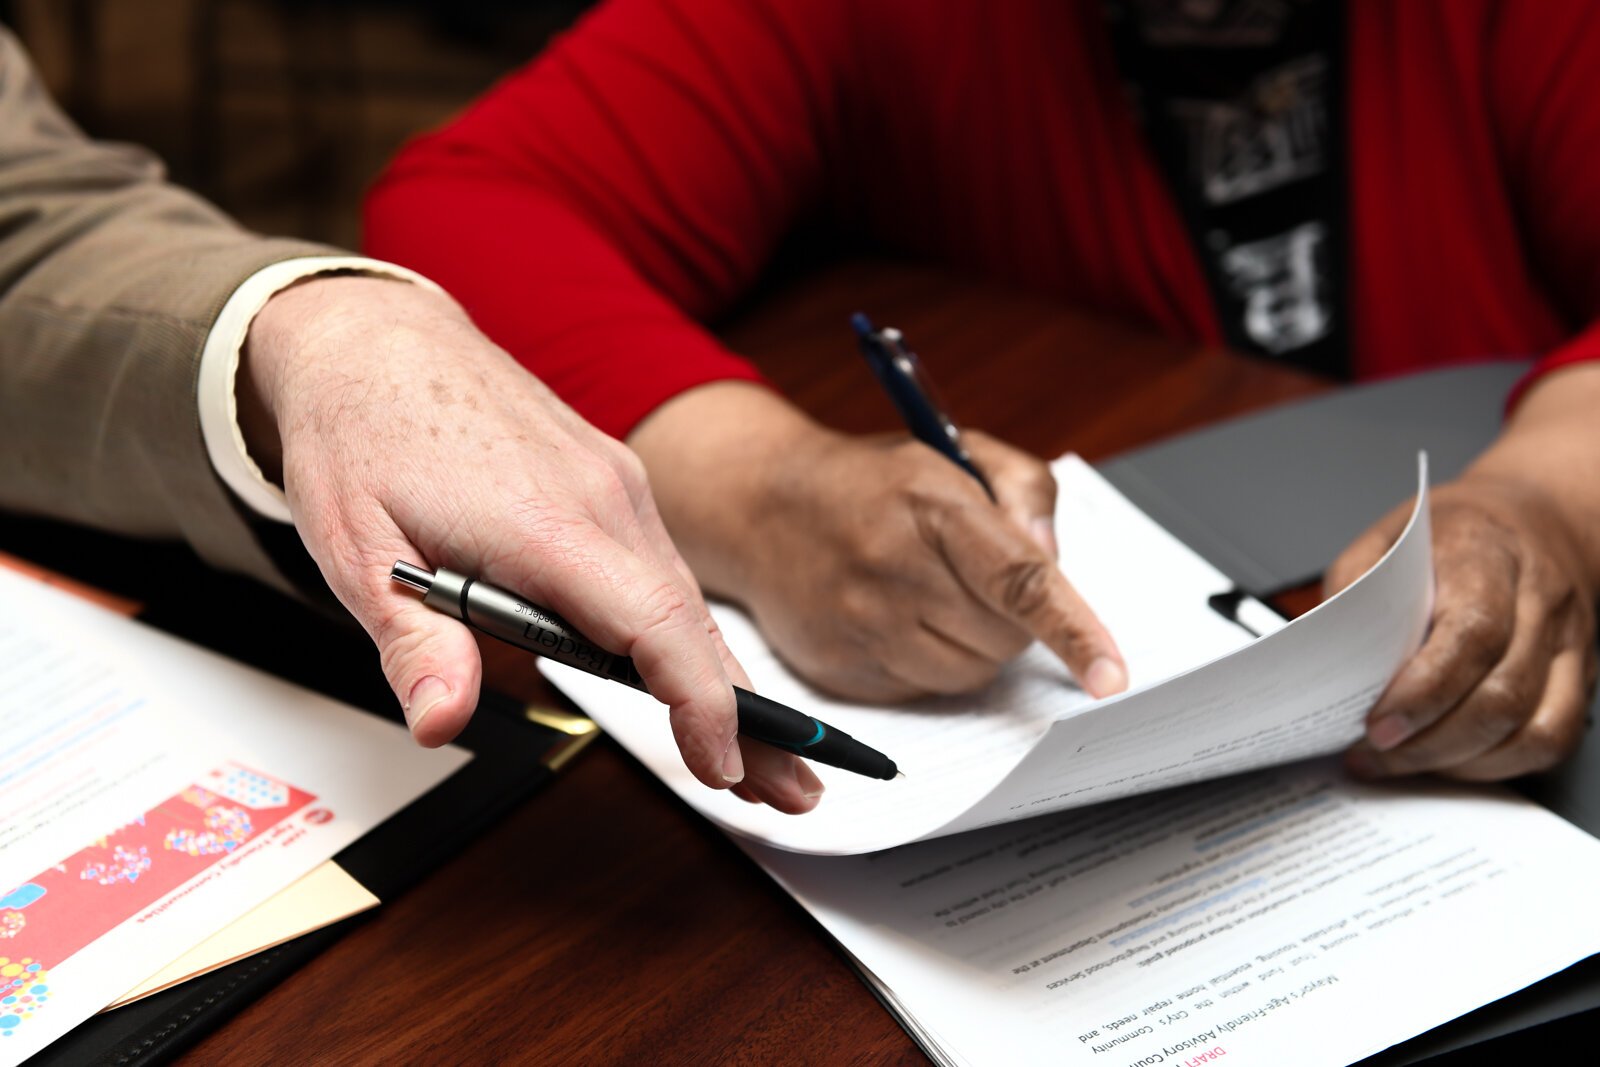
(181, 843)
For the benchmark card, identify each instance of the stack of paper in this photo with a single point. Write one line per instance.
(1283, 916)
(151, 794)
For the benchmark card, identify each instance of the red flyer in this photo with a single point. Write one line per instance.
(183, 841)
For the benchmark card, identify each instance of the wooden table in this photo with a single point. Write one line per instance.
(604, 922)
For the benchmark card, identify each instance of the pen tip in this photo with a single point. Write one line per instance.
(861, 325)
(899, 774)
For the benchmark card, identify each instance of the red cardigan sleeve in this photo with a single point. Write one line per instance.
(1541, 84)
(596, 205)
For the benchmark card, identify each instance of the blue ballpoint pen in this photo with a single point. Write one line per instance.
(901, 374)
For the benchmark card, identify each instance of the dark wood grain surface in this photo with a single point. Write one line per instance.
(603, 922)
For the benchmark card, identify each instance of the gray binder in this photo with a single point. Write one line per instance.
(1270, 499)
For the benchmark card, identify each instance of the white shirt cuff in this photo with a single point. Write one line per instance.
(219, 367)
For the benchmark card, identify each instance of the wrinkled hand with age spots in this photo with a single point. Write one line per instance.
(400, 432)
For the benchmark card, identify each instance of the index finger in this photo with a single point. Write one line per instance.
(655, 545)
(634, 608)
(1004, 569)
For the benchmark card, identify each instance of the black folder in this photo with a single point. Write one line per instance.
(512, 757)
(1270, 499)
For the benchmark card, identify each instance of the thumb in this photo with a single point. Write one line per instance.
(430, 660)
(432, 664)
(1364, 551)
(1023, 487)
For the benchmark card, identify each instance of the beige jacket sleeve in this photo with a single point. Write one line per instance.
(110, 281)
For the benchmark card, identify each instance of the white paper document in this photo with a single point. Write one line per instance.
(1287, 917)
(151, 793)
(1206, 700)
(1284, 916)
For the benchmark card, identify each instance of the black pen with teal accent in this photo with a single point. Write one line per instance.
(517, 622)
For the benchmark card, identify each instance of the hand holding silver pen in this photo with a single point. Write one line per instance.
(464, 457)
(534, 629)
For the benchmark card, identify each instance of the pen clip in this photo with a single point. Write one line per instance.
(913, 394)
(892, 342)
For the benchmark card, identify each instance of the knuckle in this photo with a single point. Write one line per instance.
(884, 549)
(1546, 745)
(397, 645)
(904, 466)
(663, 607)
(360, 580)
(1547, 581)
(876, 553)
(1498, 715)
(1483, 634)
(860, 610)
(1026, 483)
(1043, 482)
(607, 493)
(385, 621)
(1562, 731)
(537, 522)
(1023, 587)
(1560, 598)
(630, 469)
(1503, 705)
(1566, 734)
(712, 630)
(545, 550)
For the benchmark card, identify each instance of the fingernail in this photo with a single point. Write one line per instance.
(1387, 732)
(732, 763)
(1104, 677)
(811, 786)
(425, 696)
(1044, 532)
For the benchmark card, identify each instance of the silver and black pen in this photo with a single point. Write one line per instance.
(517, 622)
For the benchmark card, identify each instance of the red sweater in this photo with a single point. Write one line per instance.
(598, 205)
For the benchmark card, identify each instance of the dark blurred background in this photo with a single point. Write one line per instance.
(281, 111)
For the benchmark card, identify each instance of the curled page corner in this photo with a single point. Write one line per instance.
(1206, 700)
